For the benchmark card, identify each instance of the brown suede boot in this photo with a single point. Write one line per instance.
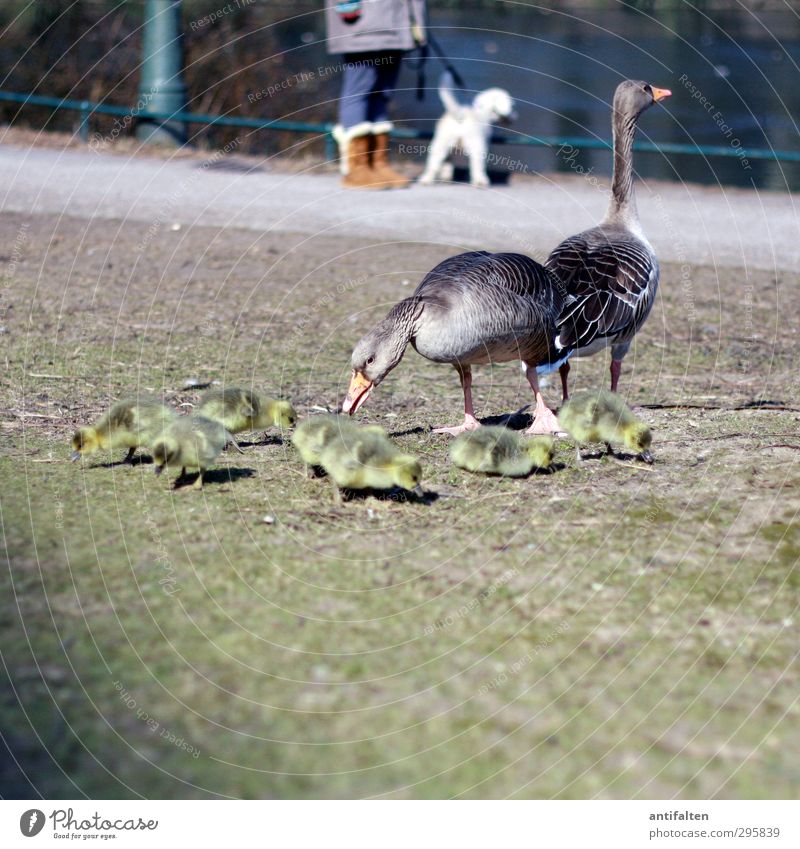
(383, 172)
(359, 173)
(355, 156)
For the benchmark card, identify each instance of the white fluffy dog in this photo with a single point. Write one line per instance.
(467, 128)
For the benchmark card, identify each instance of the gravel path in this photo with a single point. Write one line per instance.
(685, 223)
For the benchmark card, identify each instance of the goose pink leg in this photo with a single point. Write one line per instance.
(616, 371)
(564, 373)
(470, 422)
(544, 419)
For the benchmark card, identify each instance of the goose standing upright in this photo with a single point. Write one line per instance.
(610, 271)
(472, 308)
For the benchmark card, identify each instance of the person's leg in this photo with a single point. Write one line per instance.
(387, 67)
(353, 134)
(359, 79)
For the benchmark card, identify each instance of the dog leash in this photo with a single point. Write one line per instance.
(431, 44)
(436, 47)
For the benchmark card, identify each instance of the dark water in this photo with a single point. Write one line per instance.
(562, 68)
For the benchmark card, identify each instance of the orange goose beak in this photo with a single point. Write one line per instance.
(660, 93)
(358, 392)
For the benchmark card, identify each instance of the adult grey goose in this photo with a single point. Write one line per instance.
(610, 271)
(473, 308)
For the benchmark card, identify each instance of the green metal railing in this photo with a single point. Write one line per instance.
(87, 109)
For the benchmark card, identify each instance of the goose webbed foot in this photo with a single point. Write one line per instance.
(544, 422)
(470, 423)
(544, 419)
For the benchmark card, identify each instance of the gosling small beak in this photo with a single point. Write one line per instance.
(646, 456)
(158, 470)
(660, 93)
(75, 456)
(418, 491)
(358, 392)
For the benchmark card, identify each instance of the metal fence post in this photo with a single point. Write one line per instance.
(330, 147)
(83, 127)
(161, 86)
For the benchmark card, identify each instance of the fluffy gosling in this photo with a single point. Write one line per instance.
(131, 424)
(238, 410)
(365, 459)
(190, 442)
(604, 417)
(313, 434)
(500, 451)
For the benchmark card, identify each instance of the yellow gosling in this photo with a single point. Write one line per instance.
(604, 417)
(313, 434)
(190, 442)
(500, 451)
(132, 423)
(367, 459)
(238, 410)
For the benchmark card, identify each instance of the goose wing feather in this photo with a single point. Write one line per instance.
(481, 306)
(611, 283)
(509, 273)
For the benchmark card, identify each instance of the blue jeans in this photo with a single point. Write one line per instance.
(368, 83)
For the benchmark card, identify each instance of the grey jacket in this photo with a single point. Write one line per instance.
(383, 25)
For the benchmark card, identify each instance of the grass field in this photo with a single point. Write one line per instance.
(613, 630)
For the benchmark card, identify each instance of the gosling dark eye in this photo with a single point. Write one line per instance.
(647, 89)
(370, 360)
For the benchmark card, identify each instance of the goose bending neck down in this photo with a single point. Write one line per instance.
(610, 272)
(473, 308)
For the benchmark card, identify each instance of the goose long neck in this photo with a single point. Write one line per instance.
(623, 199)
(403, 318)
